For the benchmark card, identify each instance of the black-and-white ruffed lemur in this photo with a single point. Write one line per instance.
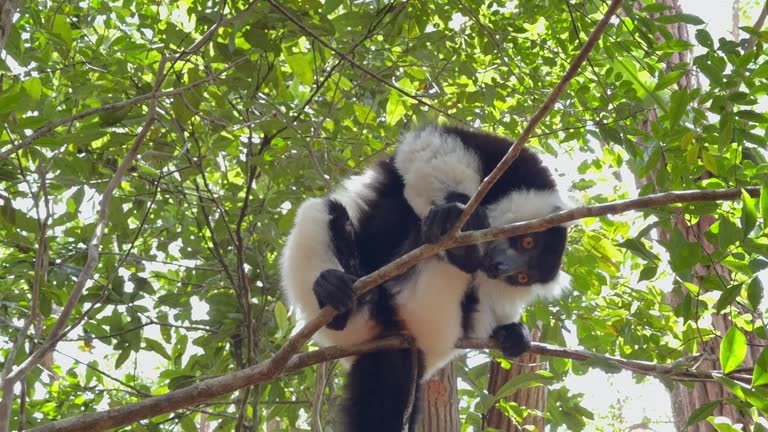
(399, 203)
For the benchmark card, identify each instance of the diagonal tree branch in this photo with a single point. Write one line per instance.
(268, 370)
(545, 108)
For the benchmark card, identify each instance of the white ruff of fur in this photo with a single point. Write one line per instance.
(433, 164)
(499, 302)
(525, 205)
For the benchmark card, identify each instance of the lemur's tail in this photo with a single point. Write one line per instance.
(383, 391)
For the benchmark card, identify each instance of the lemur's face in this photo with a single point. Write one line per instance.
(526, 259)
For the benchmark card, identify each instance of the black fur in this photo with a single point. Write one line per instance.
(343, 238)
(513, 338)
(468, 309)
(380, 385)
(344, 243)
(388, 222)
(334, 288)
(442, 217)
(526, 172)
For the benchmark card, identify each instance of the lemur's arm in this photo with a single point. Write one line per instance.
(313, 262)
(440, 174)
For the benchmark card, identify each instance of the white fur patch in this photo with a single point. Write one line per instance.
(430, 304)
(501, 303)
(306, 254)
(434, 163)
(525, 205)
(354, 192)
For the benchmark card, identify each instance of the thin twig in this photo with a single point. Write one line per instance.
(355, 64)
(44, 130)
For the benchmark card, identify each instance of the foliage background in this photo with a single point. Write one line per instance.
(187, 276)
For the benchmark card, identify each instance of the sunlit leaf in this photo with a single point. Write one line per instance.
(733, 349)
(760, 374)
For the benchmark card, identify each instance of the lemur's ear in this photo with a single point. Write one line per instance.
(567, 202)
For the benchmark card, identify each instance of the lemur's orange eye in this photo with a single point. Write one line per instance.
(528, 242)
(522, 277)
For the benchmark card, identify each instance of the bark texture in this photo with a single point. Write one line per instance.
(686, 399)
(534, 398)
(440, 403)
(8, 9)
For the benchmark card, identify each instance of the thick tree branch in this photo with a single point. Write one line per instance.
(285, 361)
(545, 108)
(211, 388)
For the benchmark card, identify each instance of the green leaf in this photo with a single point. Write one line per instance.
(181, 381)
(679, 18)
(728, 296)
(281, 316)
(395, 108)
(764, 203)
(301, 67)
(524, 381)
(668, 79)
(60, 27)
(760, 374)
(748, 214)
(705, 410)
(709, 162)
(726, 129)
(733, 349)
(156, 347)
(122, 357)
(637, 247)
(654, 8)
(752, 116)
(704, 39)
(674, 45)
(692, 154)
(721, 426)
(728, 233)
(678, 106)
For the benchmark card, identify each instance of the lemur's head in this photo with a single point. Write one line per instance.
(528, 260)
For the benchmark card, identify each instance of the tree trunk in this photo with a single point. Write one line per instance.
(440, 403)
(686, 399)
(8, 9)
(534, 398)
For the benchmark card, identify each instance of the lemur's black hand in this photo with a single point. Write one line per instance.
(514, 339)
(441, 218)
(334, 288)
